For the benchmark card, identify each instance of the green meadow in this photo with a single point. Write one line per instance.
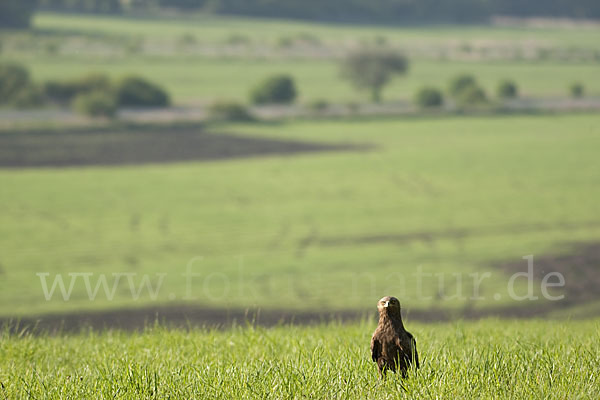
(180, 229)
(423, 203)
(491, 359)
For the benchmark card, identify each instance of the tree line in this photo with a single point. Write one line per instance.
(14, 13)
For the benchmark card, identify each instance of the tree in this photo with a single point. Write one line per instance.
(63, 92)
(466, 92)
(461, 82)
(98, 103)
(16, 13)
(14, 78)
(429, 97)
(88, 6)
(576, 90)
(133, 91)
(507, 90)
(372, 69)
(275, 89)
(472, 96)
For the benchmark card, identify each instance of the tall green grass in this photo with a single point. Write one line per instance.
(488, 359)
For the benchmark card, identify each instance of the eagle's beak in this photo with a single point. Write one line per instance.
(386, 305)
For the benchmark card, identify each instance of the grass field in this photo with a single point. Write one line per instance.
(199, 59)
(448, 196)
(203, 226)
(488, 359)
(202, 80)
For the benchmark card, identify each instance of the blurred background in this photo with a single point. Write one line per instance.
(207, 159)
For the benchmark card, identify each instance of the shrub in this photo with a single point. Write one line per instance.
(275, 89)
(29, 97)
(429, 97)
(576, 90)
(229, 111)
(96, 104)
(459, 83)
(64, 92)
(60, 92)
(466, 91)
(134, 91)
(472, 96)
(93, 82)
(13, 79)
(507, 90)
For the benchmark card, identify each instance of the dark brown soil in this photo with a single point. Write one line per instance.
(141, 144)
(579, 263)
(428, 236)
(187, 316)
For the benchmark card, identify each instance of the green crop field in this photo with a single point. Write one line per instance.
(488, 359)
(421, 205)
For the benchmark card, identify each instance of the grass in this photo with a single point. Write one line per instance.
(213, 28)
(488, 359)
(287, 232)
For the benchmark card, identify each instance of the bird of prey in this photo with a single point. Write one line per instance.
(392, 347)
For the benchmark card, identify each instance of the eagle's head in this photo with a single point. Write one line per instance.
(389, 305)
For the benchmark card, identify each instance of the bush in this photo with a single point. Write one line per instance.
(459, 83)
(29, 97)
(96, 104)
(64, 92)
(472, 96)
(134, 91)
(507, 90)
(576, 90)
(93, 82)
(13, 79)
(276, 89)
(60, 92)
(229, 111)
(466, 91)
(429, 97)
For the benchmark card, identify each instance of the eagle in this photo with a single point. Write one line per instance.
(392, 347)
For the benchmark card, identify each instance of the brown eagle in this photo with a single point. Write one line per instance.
(392, 347)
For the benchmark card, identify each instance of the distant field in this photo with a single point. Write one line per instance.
(213, 28)
(202, 58)
(488, 359)
(330, 230)
(198, 80)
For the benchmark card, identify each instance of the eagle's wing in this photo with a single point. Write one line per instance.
(375, 349)
(413, 349)
(408, 348)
